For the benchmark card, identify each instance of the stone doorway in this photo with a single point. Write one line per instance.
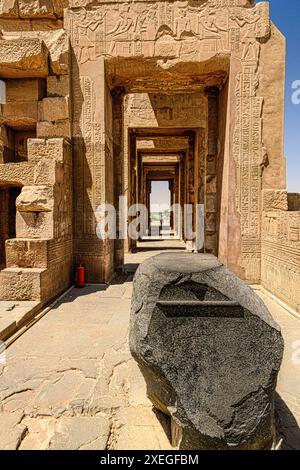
(159, 195)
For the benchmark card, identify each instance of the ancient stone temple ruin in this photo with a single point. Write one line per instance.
(104, 97)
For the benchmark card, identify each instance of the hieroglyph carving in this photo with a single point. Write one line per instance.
(249, 152)
(89, 164)
(172, 29)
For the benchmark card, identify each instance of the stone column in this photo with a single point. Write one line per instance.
(118, 94)
(211, 196)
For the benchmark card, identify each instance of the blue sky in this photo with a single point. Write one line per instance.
(286, 17)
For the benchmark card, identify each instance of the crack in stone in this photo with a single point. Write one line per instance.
(17, 392)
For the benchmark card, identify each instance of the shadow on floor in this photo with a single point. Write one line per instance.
(287, 426)
(165, 422)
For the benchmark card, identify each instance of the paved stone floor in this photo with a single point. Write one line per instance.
(70, 383)
(13, 315)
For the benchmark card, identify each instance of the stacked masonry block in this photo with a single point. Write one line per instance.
(39, 259)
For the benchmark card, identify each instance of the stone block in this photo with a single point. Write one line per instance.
(24, 90)
(34, 225)
(59, 6)
(209, 351)
(39, 149)
(23, 57)
(274, 200)
(35, 199)
(54, 129)
(36, 9)
(9, 9)
(41, 8)
(48, 172)
(20, 114)
(54, 109)
(20, 284)
(21, 253)
(58, 45)
(17, 174)
(58, 86)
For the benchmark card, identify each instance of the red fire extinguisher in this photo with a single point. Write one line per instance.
(80, 272)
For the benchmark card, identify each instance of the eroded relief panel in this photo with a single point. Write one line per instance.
(281, 255)
(165, 29)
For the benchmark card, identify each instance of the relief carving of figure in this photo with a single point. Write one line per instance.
(252, 20)
(146, 28)
(124, 28)
(209, 28)
(147, 24)
(183, 24)
(86, 29)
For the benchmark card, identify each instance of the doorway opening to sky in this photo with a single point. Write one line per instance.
(160, 210)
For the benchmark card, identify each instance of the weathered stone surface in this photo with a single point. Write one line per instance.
(58, 44)
(20, 114)
(24, 90)
(11, 430)
(281, 255)
(54, 109)
(32, 8)
(48, 172)
(81, 433)
(23, 58)
(9, 8)
(26, 253)
(274, 200)
(54, 129)
(34, 224)
(21, 284)
(39, 149)
(58, 86)
(35, 199)
(294, 201)
(212, 368)
(17, 173)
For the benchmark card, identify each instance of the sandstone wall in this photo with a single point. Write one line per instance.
(281, 248)
(36, 160)
(39, 260)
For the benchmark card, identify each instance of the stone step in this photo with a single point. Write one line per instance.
(21, 283)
